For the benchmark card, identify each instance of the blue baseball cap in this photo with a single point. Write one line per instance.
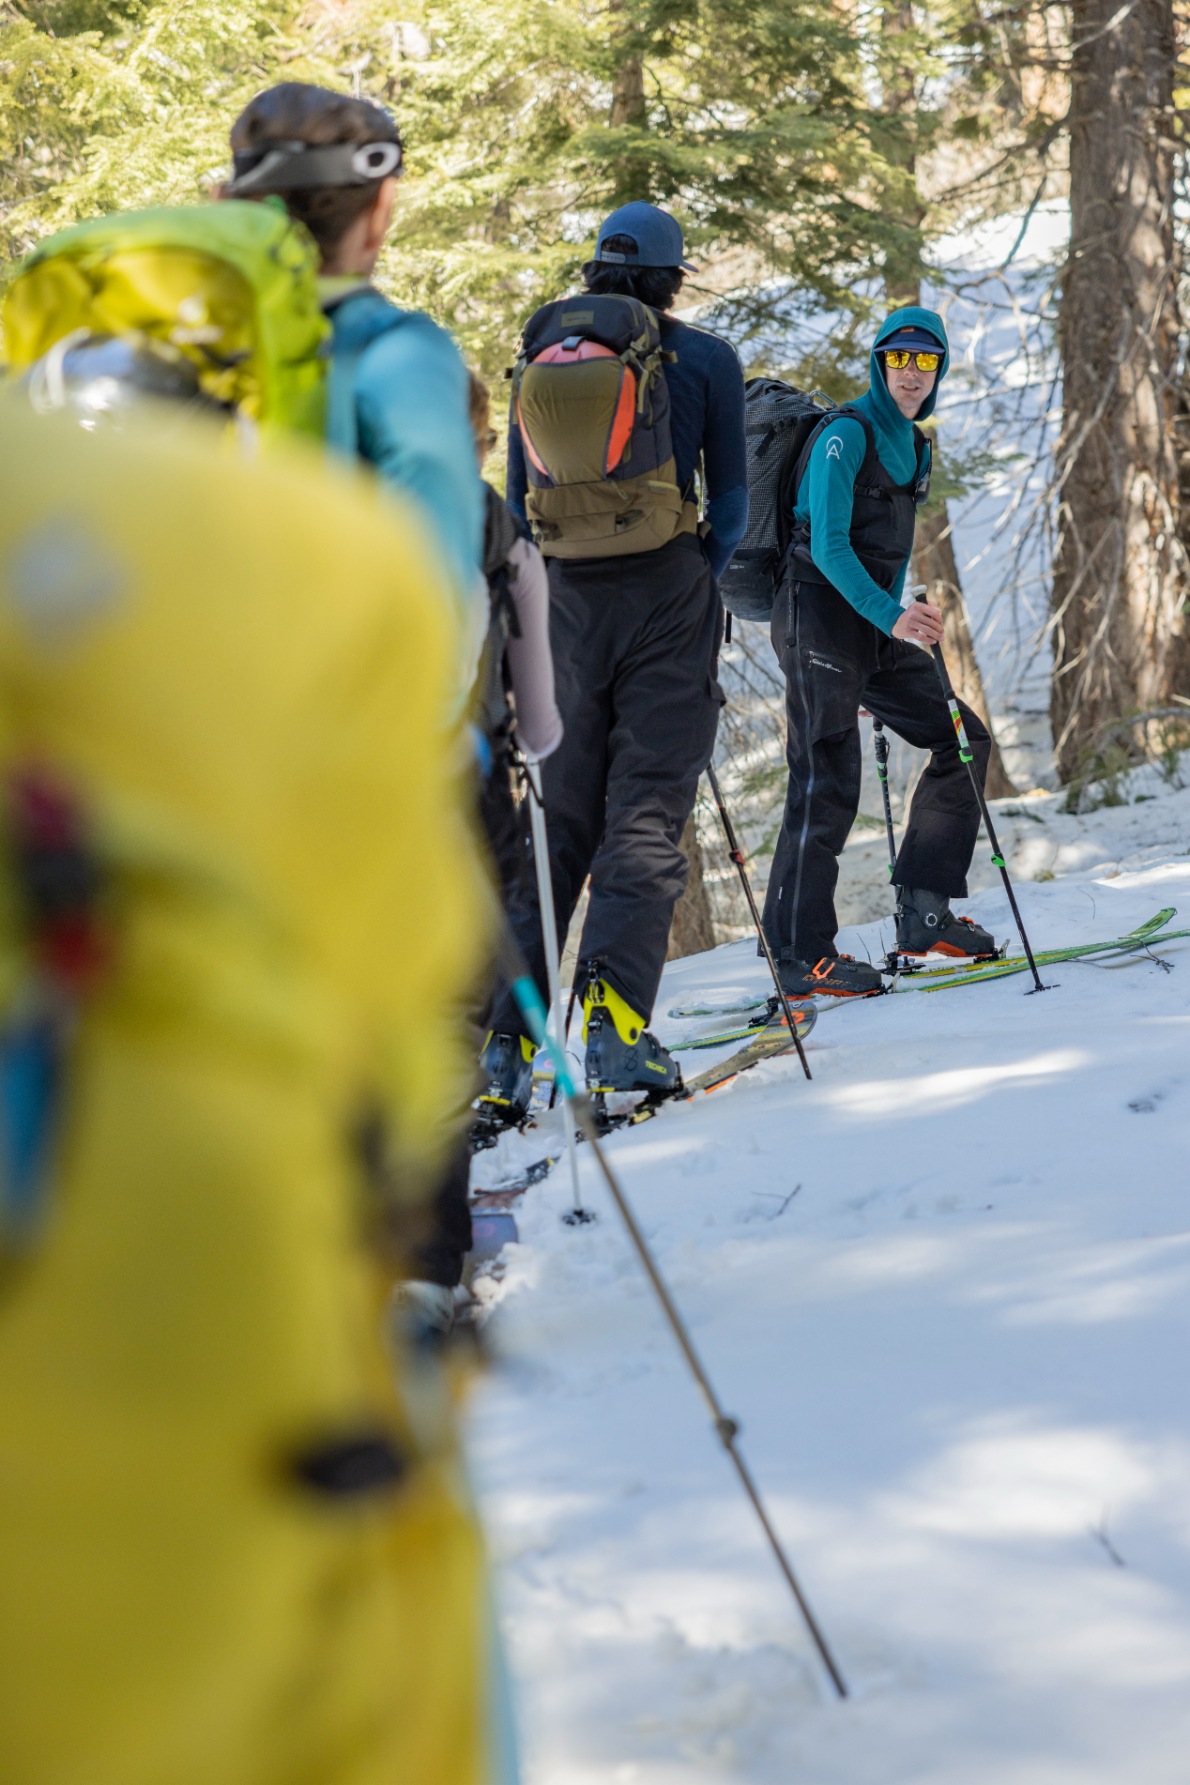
(914, 338)
(657, 235)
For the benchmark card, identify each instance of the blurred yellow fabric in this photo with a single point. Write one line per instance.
(241, 669)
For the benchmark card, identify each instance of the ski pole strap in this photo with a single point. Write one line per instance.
(533, 1010)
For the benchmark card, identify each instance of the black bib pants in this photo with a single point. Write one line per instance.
(834, 661)
(635, 643)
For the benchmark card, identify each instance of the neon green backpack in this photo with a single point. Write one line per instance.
(231, 286)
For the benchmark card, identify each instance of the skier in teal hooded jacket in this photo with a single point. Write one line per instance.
(398, 388)
(845, 641)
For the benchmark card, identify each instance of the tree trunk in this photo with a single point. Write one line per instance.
(1120, 574)
(934, 564)
(628, 93)
(933, 547)
(693, 930)
(628, 166)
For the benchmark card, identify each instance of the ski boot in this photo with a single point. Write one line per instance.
(507, 1062)
(621, 1054)
(425, 1313)
(927, 925)
(834, 976)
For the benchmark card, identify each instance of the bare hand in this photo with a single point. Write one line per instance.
(920, 624)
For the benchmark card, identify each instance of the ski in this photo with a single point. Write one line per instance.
(757, 1006)
(740, 1007)
(769, 1044)
(951, 971)
(501, 1196)
(1146, 936)
(773, 1041)
(768, 1040)
(898, 965)
(491, 1231)
(807, 1016)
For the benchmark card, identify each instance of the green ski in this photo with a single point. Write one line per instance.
(937, 979)
(1149, 935)
(807, 1017)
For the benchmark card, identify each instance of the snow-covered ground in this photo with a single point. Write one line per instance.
(946, 1289)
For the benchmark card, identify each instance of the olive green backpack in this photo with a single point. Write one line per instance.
(231, 286)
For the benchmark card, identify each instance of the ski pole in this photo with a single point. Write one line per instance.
(966, 755)
(727, 1430)
(737, 856)
(880, 744)
(570, 1003)
(549, 936)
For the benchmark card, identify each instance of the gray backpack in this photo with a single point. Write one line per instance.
(779, 423)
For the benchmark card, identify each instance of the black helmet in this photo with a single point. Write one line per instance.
(102, 379)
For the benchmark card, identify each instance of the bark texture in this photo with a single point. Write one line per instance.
(934, 564)
(628, 93)
(933, 548)
(1120, 577)
(627, 166)
(693, 929)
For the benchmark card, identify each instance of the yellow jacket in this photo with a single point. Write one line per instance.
(241, 670)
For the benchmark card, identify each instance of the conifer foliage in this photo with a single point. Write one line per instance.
(814, 152)
(111, 104)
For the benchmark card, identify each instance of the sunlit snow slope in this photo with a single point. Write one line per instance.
(946, 1288)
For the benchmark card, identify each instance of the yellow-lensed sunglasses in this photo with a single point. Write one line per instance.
(898, 358)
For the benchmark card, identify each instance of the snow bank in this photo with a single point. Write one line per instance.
(946, 1288)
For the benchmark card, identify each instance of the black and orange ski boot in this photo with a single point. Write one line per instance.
(927, 925)
(834, 976)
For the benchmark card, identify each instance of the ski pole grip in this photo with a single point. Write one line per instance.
(920, 592)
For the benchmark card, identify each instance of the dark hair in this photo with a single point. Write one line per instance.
(294, 112)
(479, 405)
(655, 286)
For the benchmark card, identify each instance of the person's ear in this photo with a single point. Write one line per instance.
(380, 216)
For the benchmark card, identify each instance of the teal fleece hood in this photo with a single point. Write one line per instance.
(912, 316)
(826, 494)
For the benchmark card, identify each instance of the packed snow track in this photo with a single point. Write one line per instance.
(946, 1290)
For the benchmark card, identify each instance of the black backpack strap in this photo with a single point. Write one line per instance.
(925, 466)
(866, 483)
(500, 530)
(799, 470)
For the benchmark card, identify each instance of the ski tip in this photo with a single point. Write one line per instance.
(490, 1233)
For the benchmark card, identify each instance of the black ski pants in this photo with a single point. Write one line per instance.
(635, 643)
(440, 1257)
(834, 662)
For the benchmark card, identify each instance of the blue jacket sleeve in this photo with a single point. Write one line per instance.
(411, 405)
(827, 493)
(728, 515)
(724, 458)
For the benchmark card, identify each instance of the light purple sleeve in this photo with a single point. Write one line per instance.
(530, 665)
